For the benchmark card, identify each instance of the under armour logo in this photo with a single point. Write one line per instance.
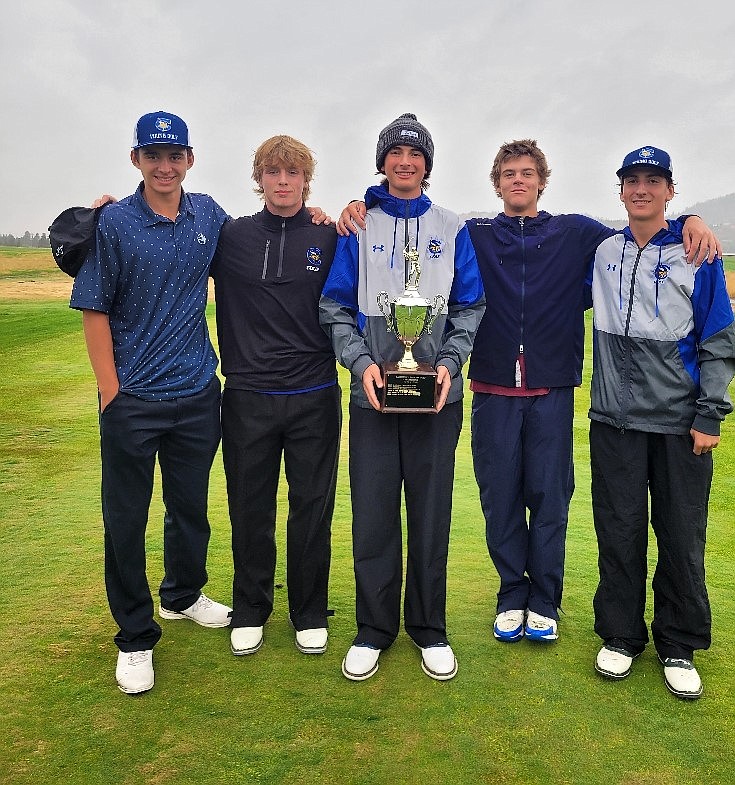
(380, 248)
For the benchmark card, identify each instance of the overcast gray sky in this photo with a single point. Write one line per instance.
(589, 80)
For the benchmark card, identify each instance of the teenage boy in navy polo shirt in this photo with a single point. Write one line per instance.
(143, 295)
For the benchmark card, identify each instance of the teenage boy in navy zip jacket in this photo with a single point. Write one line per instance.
(525, 362)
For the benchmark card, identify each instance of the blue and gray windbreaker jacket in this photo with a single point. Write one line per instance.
(372, 262)
(664, 339)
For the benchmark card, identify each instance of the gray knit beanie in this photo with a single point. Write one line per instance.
(405, 129)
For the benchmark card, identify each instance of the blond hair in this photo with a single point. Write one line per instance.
(284, 151)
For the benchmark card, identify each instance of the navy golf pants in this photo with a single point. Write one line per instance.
(389, 452)
(183, 433)
(522, 453)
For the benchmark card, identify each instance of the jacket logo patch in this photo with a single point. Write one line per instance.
(314, 259)
(434, 247)
(201, 239)
(661, 273)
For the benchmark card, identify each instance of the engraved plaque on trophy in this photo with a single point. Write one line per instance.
(409, 387)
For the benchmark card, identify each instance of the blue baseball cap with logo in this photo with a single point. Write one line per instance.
(647, 156)
(160, 128)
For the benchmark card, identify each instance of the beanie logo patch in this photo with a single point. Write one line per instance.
(412, 134)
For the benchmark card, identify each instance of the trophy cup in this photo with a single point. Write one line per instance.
(409, 387)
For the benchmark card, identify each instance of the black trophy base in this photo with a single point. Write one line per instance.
(409, 391)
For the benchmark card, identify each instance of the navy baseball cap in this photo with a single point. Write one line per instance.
(72, 237)
(647, 156)
(160, 128)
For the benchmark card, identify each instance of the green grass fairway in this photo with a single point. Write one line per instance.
(515, 714)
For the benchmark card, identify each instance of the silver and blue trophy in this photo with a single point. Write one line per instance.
(409, 387)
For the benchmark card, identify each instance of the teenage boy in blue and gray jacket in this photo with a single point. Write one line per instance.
(415, 451)
(664, 355)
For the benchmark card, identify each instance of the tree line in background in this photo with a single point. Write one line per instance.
(28, 240)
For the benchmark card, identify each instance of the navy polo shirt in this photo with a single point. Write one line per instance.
(150, 275)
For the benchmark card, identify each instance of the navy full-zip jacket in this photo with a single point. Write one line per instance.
(533, 271)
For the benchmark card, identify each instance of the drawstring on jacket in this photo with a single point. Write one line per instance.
(393, 250)
(378, 195)
(406, 236)
(620, 279)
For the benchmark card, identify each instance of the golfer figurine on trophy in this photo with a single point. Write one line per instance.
(409, 386)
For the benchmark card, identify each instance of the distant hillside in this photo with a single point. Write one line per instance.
(719, 213)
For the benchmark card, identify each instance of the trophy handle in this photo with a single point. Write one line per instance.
(436, 309)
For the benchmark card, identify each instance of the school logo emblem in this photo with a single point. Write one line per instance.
(646, 152)
(314, 259)
(661, 273)
(163, 124)
(434, 248)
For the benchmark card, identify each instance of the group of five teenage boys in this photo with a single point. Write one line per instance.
(291, 296)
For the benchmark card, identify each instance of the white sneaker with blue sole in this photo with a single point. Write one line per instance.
(508, 625)
(540, 628)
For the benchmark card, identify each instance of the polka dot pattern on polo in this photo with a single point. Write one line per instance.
(150, 275)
